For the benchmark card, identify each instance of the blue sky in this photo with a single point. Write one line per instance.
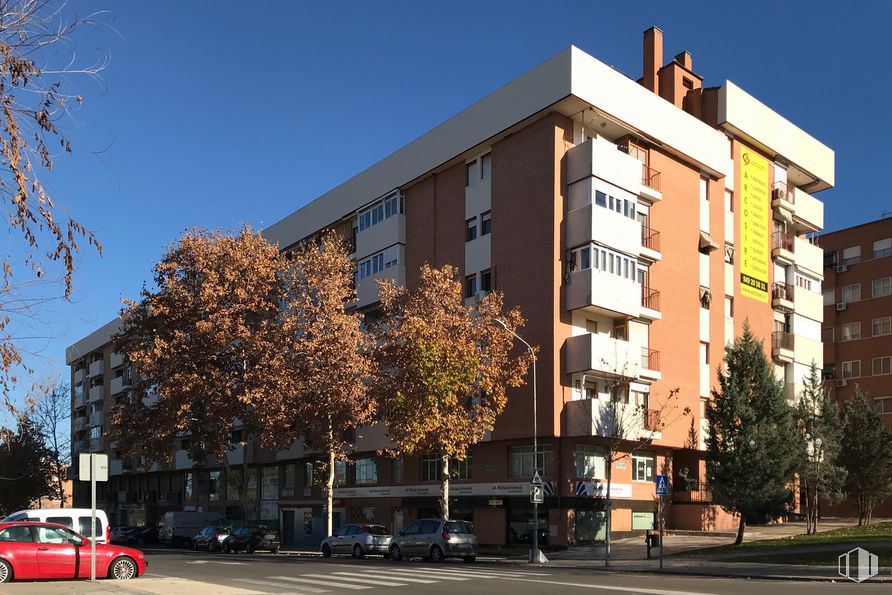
(215, 113)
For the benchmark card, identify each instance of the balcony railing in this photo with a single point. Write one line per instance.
(782, 291)
(650, 298)
(696, 495)
(783, 191)
(781, 340)
(782, 240)
(650, 359)
(650, 178)
(652, 420)
(650, 238)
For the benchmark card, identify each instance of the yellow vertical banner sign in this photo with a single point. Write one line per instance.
(755, 251)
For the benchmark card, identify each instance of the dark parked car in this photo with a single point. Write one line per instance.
(358, 540)
(211, 538)
(251, 539)
(435, 539)
(139, 536)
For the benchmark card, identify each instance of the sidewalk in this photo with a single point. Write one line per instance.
(144, 585)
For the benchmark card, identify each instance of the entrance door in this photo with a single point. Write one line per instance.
(288, 527)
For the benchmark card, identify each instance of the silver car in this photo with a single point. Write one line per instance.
(435, 539)
(358, 541)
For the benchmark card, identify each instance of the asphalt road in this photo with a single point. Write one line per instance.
(287, 574)
(180, 572)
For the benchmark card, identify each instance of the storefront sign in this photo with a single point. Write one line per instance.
(495, 501)
(597, 488)
(433, 490)
(754, 206)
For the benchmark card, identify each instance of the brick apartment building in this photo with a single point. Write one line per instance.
(857, 328)
(637, 224)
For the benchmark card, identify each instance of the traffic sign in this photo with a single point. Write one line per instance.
(537, 479)
(84, 466)
(662, 485)
(537, 493)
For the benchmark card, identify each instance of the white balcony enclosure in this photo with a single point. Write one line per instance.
(96, 393)
(603, 292)
(96, 418)
(809, 257)
(808, 212)
(79, 375)
(598, 417)
(587, 221)
(385, 233)
(603, 355)
(95, 368)
(601, 158)
(182, 460)
(236, 456)
(116, 385)
(116, 360)
(79, 424)
(95, 444)
(367, 289)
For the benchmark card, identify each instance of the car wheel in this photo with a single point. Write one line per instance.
(123, 569)
(274, 551)
(226, 549)
(210, 546)
(357, 552)
(249, 549)
(326, 551)
(395, 554)
(5, 571)
(470, 559)
(436, 554)
(140, 541)
(194, 545)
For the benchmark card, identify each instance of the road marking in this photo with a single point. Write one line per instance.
(608, 588)
(215, 562)
(294, 579)
(251, 581)
(385, 575)
(436, 575)
(502, 573)
(356, 579)
(462, 573)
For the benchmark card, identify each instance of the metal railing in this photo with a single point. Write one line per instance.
(782, 240)
(650, 298)
(781, 340)
(696, 495)
(782, 291)
(650, 178)
(650, 238)
(650, 359)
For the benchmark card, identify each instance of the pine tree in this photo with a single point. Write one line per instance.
(752, 448)
(25, 467)
(866, 454)
(817, 419)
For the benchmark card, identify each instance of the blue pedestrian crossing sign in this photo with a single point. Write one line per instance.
(662, 485)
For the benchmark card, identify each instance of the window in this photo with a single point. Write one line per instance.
(379, 211)
(269, 483)
(622, 206)
(729, 201)
(308, 475)
(883, 404)
(95, 432)
(486, 224)
(705, 297)
(600, 198)
(432, 467)
(366, 471)
(290, 477)
(851, 255)
(521, 460)
(729, 253)
(882, 287)
(56, 534)
(486, 166)
(588, 392)
(471, 229)
(470, 286)
(64, 520)
(729, 306)
(214, 485)
(20, 533)
(687, 83)
(851, 331)
(851, 293)
(830, 258)
(472, 173)
(591, 326)
(806, 283)
(340, 473)
(486, 280)
(827, 335)
(704, 189)
(619, 329)
(882, 248)
(882, 365)
(643, 466)
(828, 372)
(851, 369)
(590, 462)
(187, 486)
(398, 470)
(881, 326)
(233, 484)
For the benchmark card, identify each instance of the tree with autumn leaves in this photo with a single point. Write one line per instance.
(443, 367)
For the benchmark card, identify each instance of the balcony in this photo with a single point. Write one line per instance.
(650, 184)
(809, 213)
(782, 297)
(782, 346)
(650, 304)
(96, 418)
(97, 393)
(809, 256)
(602, 293)
(598, 157)
(119, 384)
(95, 444)
(605, 356)
(80, 398)
(782, 198)
(587, 221)
(182, 460)
(95, 368)
(367, 288)
(116, 360)
(385, 233)
(78, 446)
(79, 375)
(79, 424)
(597, 417)
(782, 247)
(650, 243)
(115, 467)
(809, 304)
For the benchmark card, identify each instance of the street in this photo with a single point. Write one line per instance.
(175, 571)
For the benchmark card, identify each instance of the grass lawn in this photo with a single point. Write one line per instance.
(883, 550)
(868, 535)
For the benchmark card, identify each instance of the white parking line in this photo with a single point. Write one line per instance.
(424, 573)
(295, 579)
(250, 581)
(358, 579)
(387, 575)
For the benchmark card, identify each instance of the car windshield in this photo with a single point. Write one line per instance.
(457, 527)
(377, 530)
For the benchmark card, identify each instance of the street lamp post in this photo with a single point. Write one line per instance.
(535, 554)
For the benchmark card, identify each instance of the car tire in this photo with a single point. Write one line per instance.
(250, 549)
(357, 552)
(140, 541)
(210, 546)
(395, 554)
(274, 551)
(5, 571)
(469, 559)
(123, 568)
(326, 550)
(436, 554)
(194, 545)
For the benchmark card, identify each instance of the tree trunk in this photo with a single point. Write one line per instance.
(61, 487)
(740, 529)
(444, 488)
(329, 483)
(607, 510)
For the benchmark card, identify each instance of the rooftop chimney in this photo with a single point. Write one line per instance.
(653, 58)
(685, 60)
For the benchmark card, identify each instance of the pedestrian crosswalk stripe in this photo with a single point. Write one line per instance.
(387, 575)
(358, 579)
(466, 569)
(425, 574)
(250, 581)
(462, 573)
(342, 585)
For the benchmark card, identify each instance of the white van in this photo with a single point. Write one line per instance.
(76, 519)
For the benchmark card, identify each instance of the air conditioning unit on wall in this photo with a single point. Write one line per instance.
(841, 306)
(841, 268)
(842, 382)
(779, 193)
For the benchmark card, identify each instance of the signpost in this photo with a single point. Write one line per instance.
(662, 490)
(537, 493)
(93, 467)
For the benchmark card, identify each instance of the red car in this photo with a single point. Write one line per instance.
(30, 550)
